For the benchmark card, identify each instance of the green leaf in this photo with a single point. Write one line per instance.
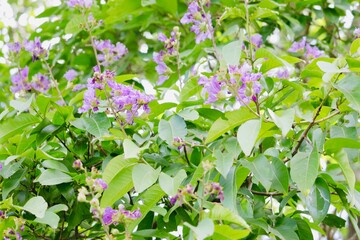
(350, 87)
(145, 3)
(115, 166)
(170, 6)
(280, 181)
(175, 127)
(74, 25)
(304, 230)
(150, 198)
(334, 145)
(304, 169)
(231, 52)
(224, 161)
(228, 233)
(233, 12)
(247, 135)
(50, 219)
(22, 105)
(261, 169)
(334, 221)
(125, 77)
(53, 177)
(58, 208)
(16, 125)
(131, 150)
(355, 45)
(98, 124)
(144, 176)
(171, 185)
(318, 200)
(37, 206)
(119, 185)
(57, 165)
(189, 114)
(228, 122)
(12, 182)
(46, 132)
(342, 158)
(284, 121)
(190, 89)
(204, 229)
(220, 213)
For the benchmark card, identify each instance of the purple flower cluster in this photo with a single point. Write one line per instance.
(310, 51)
(172, 42)
(112, 216)
(214, 188)
(281, 73)
(80, 3)
(20, 81)
(110, 52)
(99, 185)
(41, 83)
(35, 48)
(123, 98)
(162, 69)
(188, 190)
(14, 47)
(241, 78)
(201, 21)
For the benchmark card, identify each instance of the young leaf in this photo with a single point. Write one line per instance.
(170, 185)
(53, 177)
(284, 121)
(37, 206)
(175, 127)
(261, 168)
(144, 176)
(247, 135)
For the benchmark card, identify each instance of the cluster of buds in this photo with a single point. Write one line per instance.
(214, 189)
(13, 233)
(178, 142)
(113, 216)
(180, 197)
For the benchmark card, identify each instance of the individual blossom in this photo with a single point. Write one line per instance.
(110, 52)
(129, 214)
(90, 101)
(297, 46)
(179, 198)
(14, 47)
(161, 68)
(256, 40)
(108, 215)
(99, 185)
(40, 83)
(171, 44)
(77, 164)
(312, 52)
(80, 3)
(202, 25)
(281, 73)
(35, 48)
(357, 32)
(20, 81)
(212, 87)
(78, 87)
(70, 75)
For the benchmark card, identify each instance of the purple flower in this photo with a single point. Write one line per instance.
(70, 75)
(357, 32)
(108, 215)
(296, 46)
(161, 68)
(110, 52)
(14, 47)
(20, 81)
(80, 3)
(35, 48)
(90, 101)
(313, 52)
(281, 73)
(41, 83)
(78, 87)
(128, 214)
(202, 25)
(77, 164)
(212, 86)
(256, 39)
(171, 43)
(99, 183)
(174, 199)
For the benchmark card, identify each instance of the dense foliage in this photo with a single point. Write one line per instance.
(216, 119)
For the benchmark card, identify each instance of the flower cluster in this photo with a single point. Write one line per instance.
(110, 52)
(35, 48)
(241, 82)
(123, 98)
(80, 3)
(256, 40)
(281, 73)
(15, 232)
(303, 46)
(70, 75)
(112, 216)
(180, 197)
(215, 189)
(171, 46)
(20, 82)
(201, 21)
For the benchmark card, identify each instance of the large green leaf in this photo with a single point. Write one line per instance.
(342, 158)
(119, 185)
(175, 127)
(204, 229)
(115, 166)
(190, 89)
(247, 135)
(169, 184)
(261, 168)
(318, 200)
(350, 87)
(304, 169)
(284, 120)
(228, 122)
(16, 125)
(150, 198)
(53, 177)
(37, 206)
(144, 176)
(13, 182)
(231, 52)
(226, 232)
(334, 145)
(280, 181)
(50, 218)
(170, 6)
(98, 124)
(224, 161)
(220, 213)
